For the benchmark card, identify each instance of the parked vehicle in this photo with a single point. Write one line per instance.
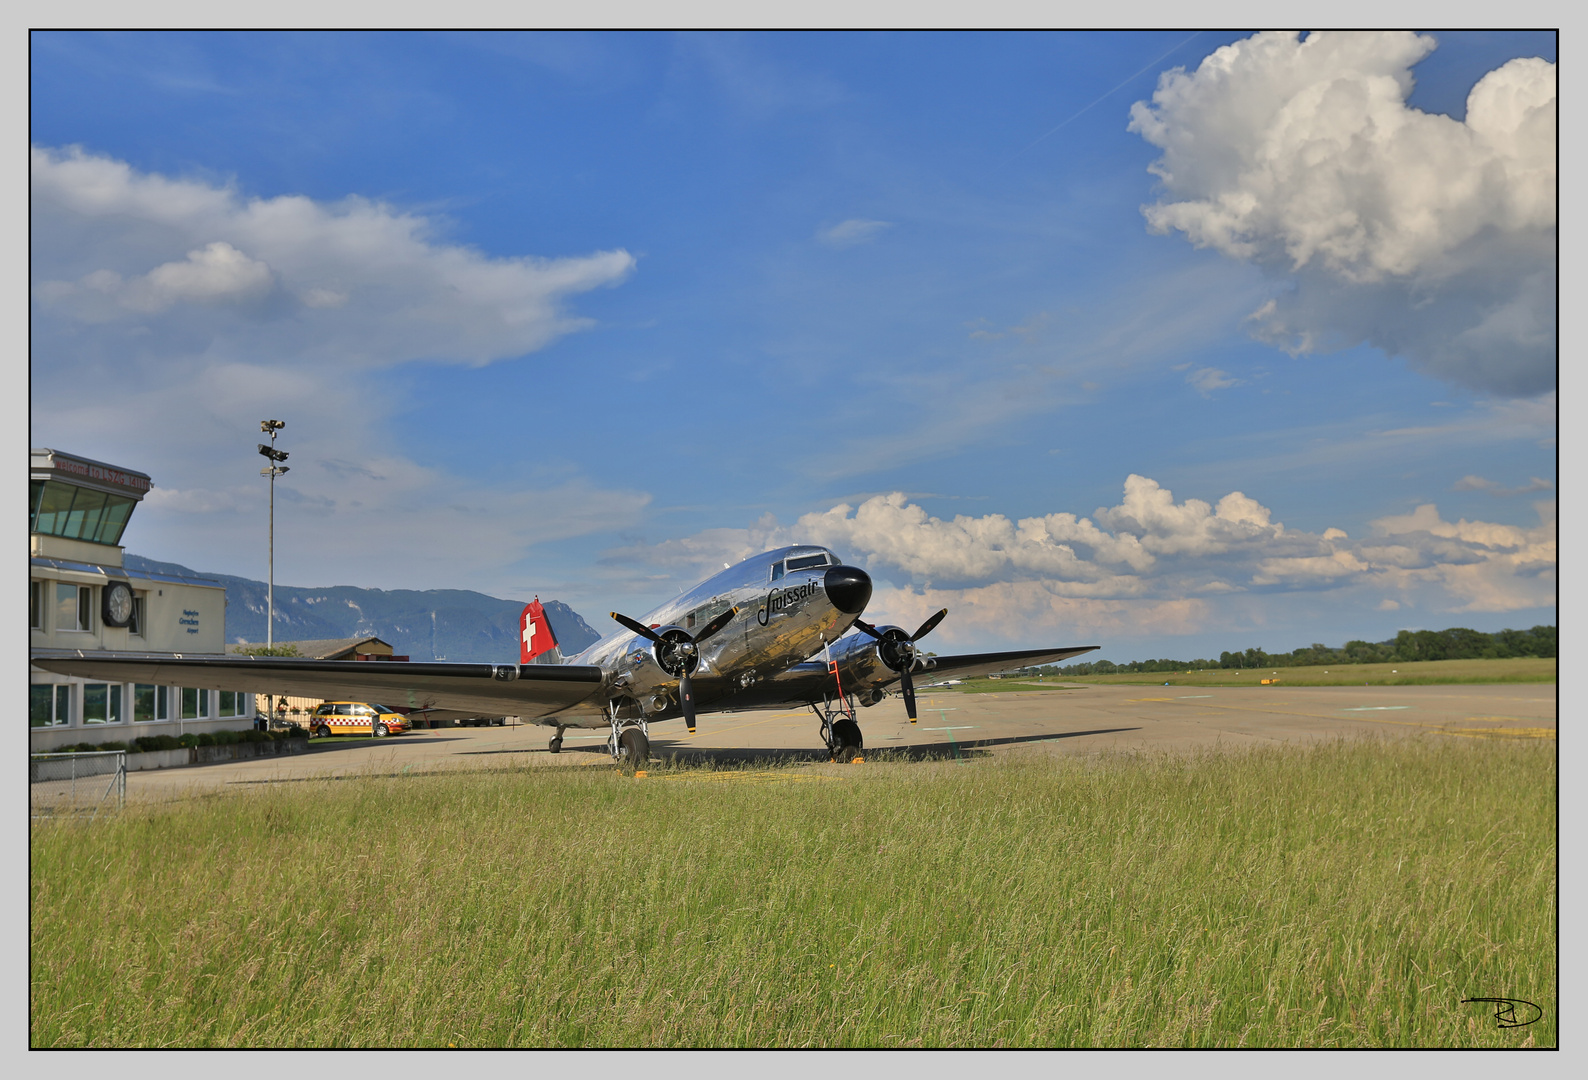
(356, 718)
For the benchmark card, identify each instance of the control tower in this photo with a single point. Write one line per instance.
(81, 598)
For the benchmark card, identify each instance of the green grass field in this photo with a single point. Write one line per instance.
(1421, 673)
(1350, 894)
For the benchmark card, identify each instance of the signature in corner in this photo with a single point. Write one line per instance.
(1511, 1012)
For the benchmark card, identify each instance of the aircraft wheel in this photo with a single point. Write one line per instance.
(555, 746)
(379, 731)
(847, 734)
(633, 747)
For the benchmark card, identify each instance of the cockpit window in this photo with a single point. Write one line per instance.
(805, 561)
(777, 570)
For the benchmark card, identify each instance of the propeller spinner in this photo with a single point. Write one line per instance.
(679, 654)
(898, 652)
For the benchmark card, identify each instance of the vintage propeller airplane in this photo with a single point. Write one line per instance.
(747, 638)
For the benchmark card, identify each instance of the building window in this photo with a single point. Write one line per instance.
(49, 704)
(162, 703)
(74, 606)
(102, 703)
(143, 702)
(195, 704)
(135, 626)
(35, 605)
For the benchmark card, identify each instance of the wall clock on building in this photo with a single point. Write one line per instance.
(118, 604)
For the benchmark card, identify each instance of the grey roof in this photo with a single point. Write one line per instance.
(122, 572)
(328, 649)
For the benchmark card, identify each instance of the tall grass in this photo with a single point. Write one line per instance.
(1348, 894)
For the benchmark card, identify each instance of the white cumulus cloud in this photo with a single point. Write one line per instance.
(170, 314)
(348, 282)
(1149, 564)
(1429, 237)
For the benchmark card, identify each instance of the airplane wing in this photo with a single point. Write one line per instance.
(970, 665)
(807, 682)
(530, 691)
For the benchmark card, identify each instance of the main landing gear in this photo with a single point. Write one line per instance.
(630, 743)
(840, 731)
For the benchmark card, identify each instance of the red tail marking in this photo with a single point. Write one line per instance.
(534, 632)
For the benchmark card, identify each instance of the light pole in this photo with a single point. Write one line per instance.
(273, 470)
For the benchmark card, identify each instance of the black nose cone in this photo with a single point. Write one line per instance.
(849, 589)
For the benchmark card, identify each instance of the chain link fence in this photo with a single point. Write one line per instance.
(77, 783)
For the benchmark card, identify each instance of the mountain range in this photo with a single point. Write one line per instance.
(436, 624)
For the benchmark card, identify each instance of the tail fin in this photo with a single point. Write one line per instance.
(535, 636)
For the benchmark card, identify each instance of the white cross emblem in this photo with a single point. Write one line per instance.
(529, 635)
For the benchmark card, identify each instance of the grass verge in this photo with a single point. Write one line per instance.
(1525, 669)
(1347, 894)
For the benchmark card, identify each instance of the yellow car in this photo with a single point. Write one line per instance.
(356, 718)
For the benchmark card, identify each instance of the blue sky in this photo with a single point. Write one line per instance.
(589, 315)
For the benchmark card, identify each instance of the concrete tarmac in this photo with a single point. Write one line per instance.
(1072, 719)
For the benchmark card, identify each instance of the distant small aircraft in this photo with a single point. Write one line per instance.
(768, 633)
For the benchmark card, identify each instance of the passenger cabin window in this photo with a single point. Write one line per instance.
(705, 613)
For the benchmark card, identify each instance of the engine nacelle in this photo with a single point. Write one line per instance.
(676, 653)
(866, 664)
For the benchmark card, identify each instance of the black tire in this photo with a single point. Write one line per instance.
(323, 731)
(555, 746)
(846, 733)
(634, 748)
(379, 730)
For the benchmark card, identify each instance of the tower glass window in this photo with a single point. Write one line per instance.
(78, 513)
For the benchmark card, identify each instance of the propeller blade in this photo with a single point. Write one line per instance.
(868, 628)
(638, 627)
(929, 625)
(907, 685)
(686, 698)
(716, 624)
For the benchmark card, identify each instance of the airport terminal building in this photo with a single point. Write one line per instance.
(81, 597)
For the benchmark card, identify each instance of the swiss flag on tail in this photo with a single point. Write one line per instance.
(534, 633)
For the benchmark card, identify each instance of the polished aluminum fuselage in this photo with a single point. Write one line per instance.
(780, 622)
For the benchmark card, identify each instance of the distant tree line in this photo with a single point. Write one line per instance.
(1457, 643)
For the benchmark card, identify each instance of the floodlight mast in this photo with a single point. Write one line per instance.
(270, 427)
